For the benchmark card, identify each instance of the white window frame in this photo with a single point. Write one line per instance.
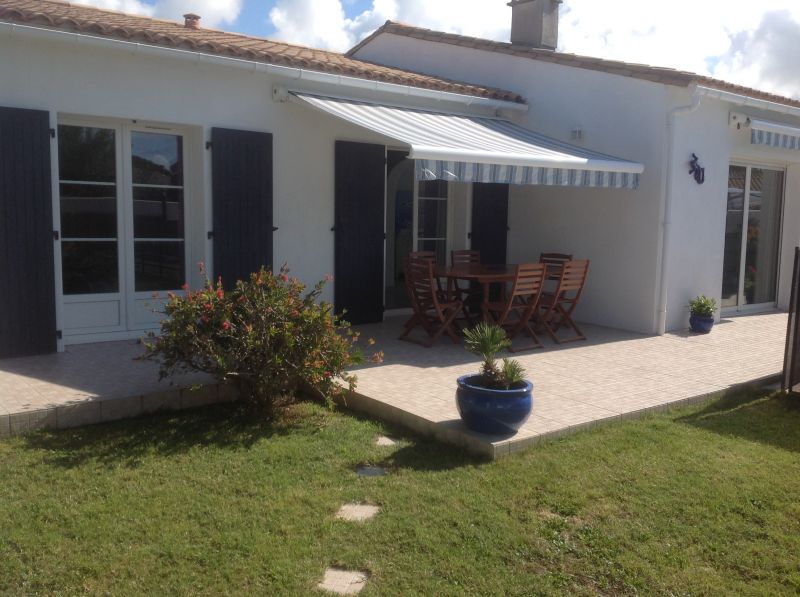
(126, 297)
(740, 308)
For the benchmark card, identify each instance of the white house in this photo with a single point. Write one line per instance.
(133, 148)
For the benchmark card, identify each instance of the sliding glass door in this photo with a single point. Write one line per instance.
(752, 237)
(122, 224)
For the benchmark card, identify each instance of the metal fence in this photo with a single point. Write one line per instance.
(791, 359)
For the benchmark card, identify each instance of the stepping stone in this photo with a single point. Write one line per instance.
(371, 471)
(384, 441)
(357, 512)
(343, 582)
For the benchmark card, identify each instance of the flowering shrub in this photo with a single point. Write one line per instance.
(267, 335)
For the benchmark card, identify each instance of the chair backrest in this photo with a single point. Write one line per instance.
(529, 279)
(420, 282)
(554, 262)
(573, 276)
(465, 256)
(424, 255)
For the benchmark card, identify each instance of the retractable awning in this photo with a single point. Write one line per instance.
(773, 134)
(480, 149)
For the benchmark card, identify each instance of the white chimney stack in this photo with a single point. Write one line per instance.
(534, 23)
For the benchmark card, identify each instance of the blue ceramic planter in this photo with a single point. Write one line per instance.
(496, 412)
(701, 325)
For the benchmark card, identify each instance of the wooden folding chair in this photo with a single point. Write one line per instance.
(554, 263)
(432, 311)
(516, 313)
(472, 294)
(556, 309)
(428, 256)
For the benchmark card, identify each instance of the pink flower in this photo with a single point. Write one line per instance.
(328, 278)
(185, 287)
(220, 293)
(226, 325)
(284, 278)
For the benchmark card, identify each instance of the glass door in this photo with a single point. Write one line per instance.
(122, 224)
(752, 237)
(432, 209)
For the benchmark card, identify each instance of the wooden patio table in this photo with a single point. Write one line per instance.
(485, 275)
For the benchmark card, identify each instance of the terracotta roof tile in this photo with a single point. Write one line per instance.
(645, 72)
(65, 16)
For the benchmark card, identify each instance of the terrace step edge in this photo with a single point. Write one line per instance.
(106, 409)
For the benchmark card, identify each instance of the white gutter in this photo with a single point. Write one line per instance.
(295, 74)
(666, 207)
(743, 100)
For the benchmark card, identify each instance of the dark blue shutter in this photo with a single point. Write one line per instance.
(359, 231)
(490, 221)
(27, 276)
(241, 170)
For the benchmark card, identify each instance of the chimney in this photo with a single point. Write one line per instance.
(534, 23)
(191, 21)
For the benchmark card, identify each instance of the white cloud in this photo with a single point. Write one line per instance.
(766, 58)
(752, 43)
(213, 12)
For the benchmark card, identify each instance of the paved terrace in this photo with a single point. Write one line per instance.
(612, 375)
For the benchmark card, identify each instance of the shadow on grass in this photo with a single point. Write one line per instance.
(427, 455)
(770, 419)
(125, 443)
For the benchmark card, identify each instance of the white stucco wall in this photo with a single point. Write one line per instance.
(618, 230)
(698, 214)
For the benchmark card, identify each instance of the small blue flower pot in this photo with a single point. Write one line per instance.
(701, 325)
(495, 412)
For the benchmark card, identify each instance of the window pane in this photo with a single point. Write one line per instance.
(88, 211)
(159, 265)
(157, 213)
(733, 236)
(86, 154)
(432, 219)
(763, 236)
(157, 159)
(433, 188)
(89, 267)
(438, 246)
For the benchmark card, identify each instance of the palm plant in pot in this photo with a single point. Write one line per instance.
(498, 400)
(701, 314)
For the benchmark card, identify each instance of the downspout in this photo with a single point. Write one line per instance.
(666, 207)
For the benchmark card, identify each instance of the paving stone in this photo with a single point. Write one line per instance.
(202, 396)
(120, 408)
(371, 471)
(357, 512)
(384, 441)
(79, 414)
(343, 582)
(161, 401)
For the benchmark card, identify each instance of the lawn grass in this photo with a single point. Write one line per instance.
(696, 501)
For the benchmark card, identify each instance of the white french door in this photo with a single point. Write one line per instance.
(752, 238)
(122, 213)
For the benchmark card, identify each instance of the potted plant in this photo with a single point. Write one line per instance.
(701, 318)
(498, 400)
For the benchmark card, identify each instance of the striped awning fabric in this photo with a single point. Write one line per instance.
(773, 134)
(469, 148)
